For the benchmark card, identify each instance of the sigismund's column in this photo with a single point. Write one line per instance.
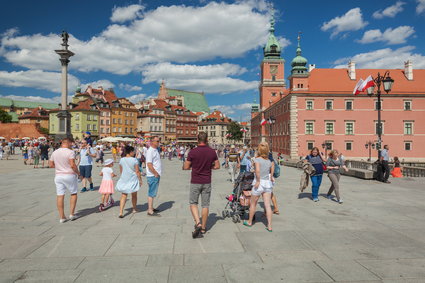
(64, 116)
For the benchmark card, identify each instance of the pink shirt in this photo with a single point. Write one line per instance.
(61, 158)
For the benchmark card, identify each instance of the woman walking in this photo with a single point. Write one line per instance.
(316, 160)
(334, 164)
(130, 180)
(263, 184)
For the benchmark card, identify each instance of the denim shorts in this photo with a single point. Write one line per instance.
(85, 171)
(153, 183)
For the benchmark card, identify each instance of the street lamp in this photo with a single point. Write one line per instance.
(370, 145)
(387, 82)
(272, 120)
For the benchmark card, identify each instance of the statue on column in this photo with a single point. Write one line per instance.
(65, 37)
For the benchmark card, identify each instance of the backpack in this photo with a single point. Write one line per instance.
(276, 172)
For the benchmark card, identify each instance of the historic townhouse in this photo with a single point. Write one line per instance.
(216, 126)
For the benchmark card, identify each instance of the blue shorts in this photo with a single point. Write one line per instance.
(45, 157)
(153, 183)
(85, 171)
(25, 155)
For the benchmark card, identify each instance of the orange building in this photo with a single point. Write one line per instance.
(39, 116)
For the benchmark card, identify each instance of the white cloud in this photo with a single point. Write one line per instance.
(386, 58)
(389, 36)
(390, 11)
(421, 6)
(137, 97)
(33, 98)
(207, 32)
(105, 84)
(124, 14)
(129, 87)
(236, 112)
(350, 21)
(38, 79)
(208, 78)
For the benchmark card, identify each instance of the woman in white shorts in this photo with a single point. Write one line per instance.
(262, 185)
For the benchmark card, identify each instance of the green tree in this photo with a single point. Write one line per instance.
(5, 117)
(234, 131)
(44, 131)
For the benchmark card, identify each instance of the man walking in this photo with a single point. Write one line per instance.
(153, 173)
(384, 169)
(87, 153)
(201, 160)
(66, 177)
(233, 162)
(44, 152)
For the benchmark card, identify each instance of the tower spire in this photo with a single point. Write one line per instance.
(299, 45)
(272, 48)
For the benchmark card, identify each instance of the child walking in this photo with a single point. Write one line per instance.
(130, 179)
(107, 185)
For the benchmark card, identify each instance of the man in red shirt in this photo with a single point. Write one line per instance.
(202, 160)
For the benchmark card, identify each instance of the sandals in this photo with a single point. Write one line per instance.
(269, 230)
(276, 212)
(198, 228)
(245, 223)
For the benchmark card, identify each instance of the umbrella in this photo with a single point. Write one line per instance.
(2, 138)
(26, 138)
(109, 139)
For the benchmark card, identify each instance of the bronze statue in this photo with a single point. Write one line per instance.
(65, 37)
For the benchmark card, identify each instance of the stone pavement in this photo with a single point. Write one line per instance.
(377, 235)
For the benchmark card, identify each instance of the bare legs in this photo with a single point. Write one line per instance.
(267, 206)
(274, 201)
(124, 199)
(195, 214)
(252, 208)
(60, 205)
(150, 205)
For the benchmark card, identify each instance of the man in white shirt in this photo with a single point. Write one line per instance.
(153, 173)
(86, 164)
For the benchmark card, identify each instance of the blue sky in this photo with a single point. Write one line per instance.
(197, 45)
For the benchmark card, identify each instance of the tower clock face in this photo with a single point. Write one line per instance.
(273, 69)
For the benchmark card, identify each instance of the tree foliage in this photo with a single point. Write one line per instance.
(44, 131)
(5, 117)
(234, 132)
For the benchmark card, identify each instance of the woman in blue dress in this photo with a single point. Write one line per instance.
(130, 179)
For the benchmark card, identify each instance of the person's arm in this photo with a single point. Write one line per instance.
(139, 176)
(51, 164)
(257, 174)
(216, 164)
(120, 169)
(150, 166)
(272, 172)
(187, 165)
(74, 166)
(90, 150)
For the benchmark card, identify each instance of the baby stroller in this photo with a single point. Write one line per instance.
(238, 202)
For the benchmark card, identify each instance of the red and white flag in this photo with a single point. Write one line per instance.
(367, 83)
(357, 88)
(263, 122)
(244, 130)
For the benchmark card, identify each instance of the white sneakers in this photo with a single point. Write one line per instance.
(340, 201)
(63, 220)
(71, 218)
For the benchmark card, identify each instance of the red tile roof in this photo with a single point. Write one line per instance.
(217, 116)
(36, 113)
(13, 130)
(337, 81)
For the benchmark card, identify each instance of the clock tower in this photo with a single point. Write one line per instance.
(272, 84)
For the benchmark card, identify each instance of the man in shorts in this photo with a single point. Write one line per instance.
(44, 152)
(153, 173)
(66, 177)
(87, 153)
(202, 160)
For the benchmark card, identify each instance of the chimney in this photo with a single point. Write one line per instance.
(408, 70)
(352, 70)
(311, 67)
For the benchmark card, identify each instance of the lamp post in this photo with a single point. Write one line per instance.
(387, 82)
(370, 145)
(272, 120)
(64, 115)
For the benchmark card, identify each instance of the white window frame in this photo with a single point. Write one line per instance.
(410, 145)
(305, 129)
(312, 104)
(412, 127)
(410, 105)
(349, 142)
(349, 122)
(326, 105)
(352, 104)
(326, 127)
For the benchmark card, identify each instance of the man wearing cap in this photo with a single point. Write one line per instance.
(233, 162)
(86, 164)
(87, 138)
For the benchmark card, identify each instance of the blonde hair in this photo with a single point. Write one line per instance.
(333, 153)
(263, 150)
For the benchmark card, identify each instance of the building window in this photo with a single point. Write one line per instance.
(310, 145)
(77, 127)
(101, 130)
(94, 127)
(107, 130)
(408, 128)
(348, 146)
(107, 122)
(349, 128)
(329, 128)
(114, 130)
(77, 117)
(101, 122)
(88, 127)
(126, 130)
(329, 104)
(94, 117)
(407, 105)
(273, 94)
(348, 105)
(88, 117)
(309, 128)
(309, 105)
(273, 78)
(408, 145)
(114, 121)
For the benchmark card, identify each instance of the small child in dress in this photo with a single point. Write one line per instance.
(107, 185)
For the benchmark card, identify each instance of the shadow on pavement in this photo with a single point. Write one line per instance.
(304, 195)
(164, 206)
(212, 220)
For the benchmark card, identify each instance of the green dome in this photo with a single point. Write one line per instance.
(272, 48)
(78, 89)
(299, 63)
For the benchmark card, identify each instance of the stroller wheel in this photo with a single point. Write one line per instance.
(228, 213)
(224, 213)
(236, 218)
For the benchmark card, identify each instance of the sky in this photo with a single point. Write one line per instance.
(196, 45)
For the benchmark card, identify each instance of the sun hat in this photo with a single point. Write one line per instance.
(108, 161)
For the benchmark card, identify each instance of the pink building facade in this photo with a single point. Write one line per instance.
(319, 110)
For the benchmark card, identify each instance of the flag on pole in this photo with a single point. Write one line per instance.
(244, 130)
(263, 122)
(357, 88)
(367, 83)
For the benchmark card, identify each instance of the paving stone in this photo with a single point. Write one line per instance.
(291, 256)
(71, 246)
(220, 258)
(10, 276)
(276, 241)
(40, 264)
(144, 244)
(165, 260)
(129, 274)
(50, 276)
(206, 274)
(19, 247)
(396, 268)
(346, 270)
(115, 262)
(210, 243)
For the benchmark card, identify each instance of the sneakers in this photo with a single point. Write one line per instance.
(340, 201)
(63, 220)
(315, 199)
(91, 187)
(329, 196)
(73, 217)
(83, 190)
